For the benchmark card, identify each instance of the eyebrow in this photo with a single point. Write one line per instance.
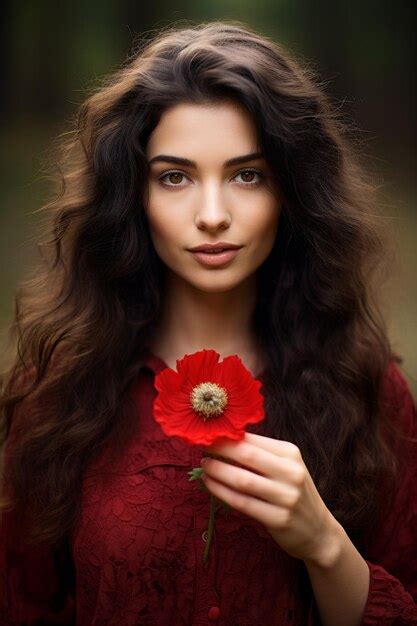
(166, 158)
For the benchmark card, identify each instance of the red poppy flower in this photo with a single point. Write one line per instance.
(205, 401)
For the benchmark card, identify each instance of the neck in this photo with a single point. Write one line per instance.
(193, 320)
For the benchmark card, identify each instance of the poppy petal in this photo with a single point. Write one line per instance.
(198, 367)
(168, 380)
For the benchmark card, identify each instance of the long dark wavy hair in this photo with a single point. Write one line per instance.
(85, 317)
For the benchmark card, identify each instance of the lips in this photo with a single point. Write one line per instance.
(221, 246)
(215, 259)
(213, 250)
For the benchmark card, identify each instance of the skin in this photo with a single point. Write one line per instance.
(264, 478)
(209, 203)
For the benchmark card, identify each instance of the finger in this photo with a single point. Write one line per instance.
(270, 515)
(259, 459)
(276, 446)
(242, 480)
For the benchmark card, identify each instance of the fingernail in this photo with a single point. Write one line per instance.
(203, 460)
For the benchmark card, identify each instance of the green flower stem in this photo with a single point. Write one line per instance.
(196, 474)
(210, 525)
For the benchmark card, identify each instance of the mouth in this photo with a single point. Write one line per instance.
(215, 257)
(214, 250)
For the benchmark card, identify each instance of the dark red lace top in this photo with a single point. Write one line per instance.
(135, 557)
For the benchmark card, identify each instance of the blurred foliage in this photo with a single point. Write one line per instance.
(364, 53)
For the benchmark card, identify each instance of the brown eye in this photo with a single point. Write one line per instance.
(174, 177)
(247, 174)
(248, 177)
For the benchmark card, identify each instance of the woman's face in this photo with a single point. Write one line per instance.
(210, 201)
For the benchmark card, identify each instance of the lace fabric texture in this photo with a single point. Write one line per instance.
(135, 556)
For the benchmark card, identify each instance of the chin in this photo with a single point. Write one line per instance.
(216, 284)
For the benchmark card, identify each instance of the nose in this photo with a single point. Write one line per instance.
(212, 213)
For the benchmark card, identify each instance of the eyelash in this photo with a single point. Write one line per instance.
(247, 169)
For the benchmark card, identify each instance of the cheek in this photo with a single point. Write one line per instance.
(263, 224)
(166, 217)
(165, 226)
(167, 235)
(265, 240)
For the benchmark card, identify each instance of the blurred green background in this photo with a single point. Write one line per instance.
(363, 51)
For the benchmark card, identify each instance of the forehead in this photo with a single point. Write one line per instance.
(223, 129)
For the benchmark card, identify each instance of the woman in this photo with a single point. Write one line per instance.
(209, 134)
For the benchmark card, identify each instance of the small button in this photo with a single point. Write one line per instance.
(204, 536)
(213, 613)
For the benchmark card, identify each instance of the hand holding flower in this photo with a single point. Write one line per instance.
(276, 489)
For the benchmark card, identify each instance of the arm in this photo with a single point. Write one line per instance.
(340, 582)
(381, 589)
